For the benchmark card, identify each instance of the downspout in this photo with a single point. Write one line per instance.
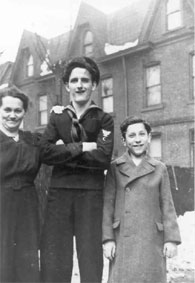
(125, 87)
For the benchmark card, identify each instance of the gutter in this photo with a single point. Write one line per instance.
(126, 86)
(131, 50)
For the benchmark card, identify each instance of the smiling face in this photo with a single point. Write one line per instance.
(11, 113)
(80, 86)
(137, 139)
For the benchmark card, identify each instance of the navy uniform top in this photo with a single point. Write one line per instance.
(72, 167)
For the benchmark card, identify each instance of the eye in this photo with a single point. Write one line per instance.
(74, 80)
(18, 111)
(85, 80)
(7, 110)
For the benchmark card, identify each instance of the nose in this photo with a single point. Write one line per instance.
(137, 139)
(79, 84)
(12, 114)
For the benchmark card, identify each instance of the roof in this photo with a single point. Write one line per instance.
(58, 46)
(126, 24)
(8, 88)
(95, 20)
(5, 72)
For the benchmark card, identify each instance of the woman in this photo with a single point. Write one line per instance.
(19, 165)
(139, 221)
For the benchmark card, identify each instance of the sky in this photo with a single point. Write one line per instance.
(48, 18)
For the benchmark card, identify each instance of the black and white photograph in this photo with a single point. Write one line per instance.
(97, 145)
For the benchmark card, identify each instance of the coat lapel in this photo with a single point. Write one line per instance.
(131, 171)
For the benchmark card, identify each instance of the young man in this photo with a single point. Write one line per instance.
(75, 196)
(139, 220)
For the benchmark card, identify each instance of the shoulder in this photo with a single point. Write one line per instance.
(30, 138)
(160, 167)
(118, 160)
(57, 112)
(105, 115)
(154, 161)
(106, 119)
(57, 109)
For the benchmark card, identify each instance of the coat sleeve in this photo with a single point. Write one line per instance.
(171, 228)
(53, 154)
(101, 157)
(109, 206)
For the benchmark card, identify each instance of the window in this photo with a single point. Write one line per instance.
(156, 146)
(22, 125)
(192, 75)
(173, 14)
(153, 85)
(43, 110)
(107, 95)
(192, 157)
(88, 44)
(30, 67)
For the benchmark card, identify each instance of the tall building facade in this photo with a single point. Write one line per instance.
(145, 53)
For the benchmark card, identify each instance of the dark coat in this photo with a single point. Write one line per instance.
(72, 167)
(139, 215)
(19, 237)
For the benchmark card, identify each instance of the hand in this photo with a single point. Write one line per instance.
(59, 142)
(170, 249)
(109, 249)
(89, 146)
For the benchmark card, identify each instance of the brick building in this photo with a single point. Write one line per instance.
(146, 57)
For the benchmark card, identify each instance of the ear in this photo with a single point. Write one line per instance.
(67, 87)
(123, 141)
(149, 137)
(94, 85)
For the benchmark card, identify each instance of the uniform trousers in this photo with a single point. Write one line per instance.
(72, 212)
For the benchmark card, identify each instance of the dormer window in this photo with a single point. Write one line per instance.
(88, 44)
(30, 67)
(174, 14)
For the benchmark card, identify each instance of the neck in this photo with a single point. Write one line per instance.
(81, 108)
(8, 133)
(137, 159)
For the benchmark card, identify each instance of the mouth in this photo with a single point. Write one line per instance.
(80, 91)
(138, 146)
(12, 122)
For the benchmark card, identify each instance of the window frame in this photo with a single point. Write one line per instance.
(111, 95)
(87, 44)
(192, 147)
(157, 135)
(173, 12)
(192, 75)
(40, 111)
(146, 100)
(30, 66)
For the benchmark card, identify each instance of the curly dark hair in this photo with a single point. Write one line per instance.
(85, 63)
(134, 120)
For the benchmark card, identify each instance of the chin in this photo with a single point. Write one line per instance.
(139, 154)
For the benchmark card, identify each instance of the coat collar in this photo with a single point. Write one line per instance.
(131, 171)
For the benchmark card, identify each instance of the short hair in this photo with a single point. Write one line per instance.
(16, 94)
(85, 63)
(134, 120)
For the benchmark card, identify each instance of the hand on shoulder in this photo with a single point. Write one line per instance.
(57, 109)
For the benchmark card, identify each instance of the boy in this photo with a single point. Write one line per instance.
(139, 221)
